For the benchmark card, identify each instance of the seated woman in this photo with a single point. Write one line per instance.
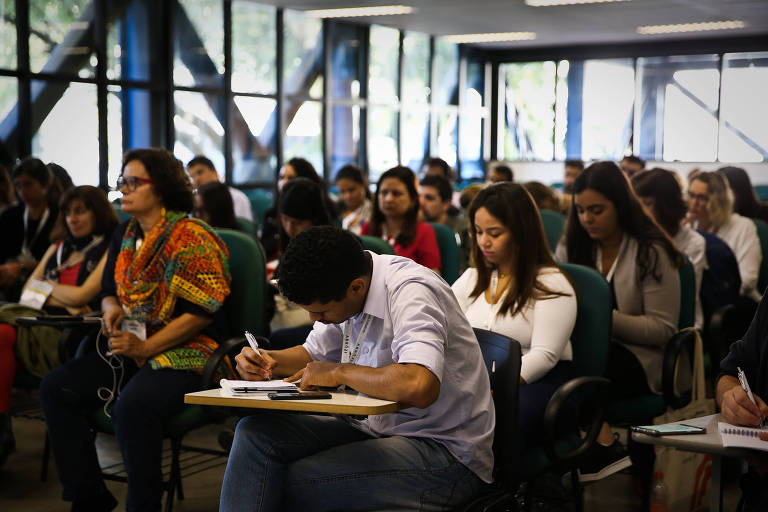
(745, 200)
(514, 288)
(355, 197)
(300, 207)
(710, 209)
(609, 230)
(73, 267)
(165, 280)
(26, 227)
(659, 190)
(396, 219)
(213, 204)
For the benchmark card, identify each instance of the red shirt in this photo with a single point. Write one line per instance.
(423, 250)
(69, 275)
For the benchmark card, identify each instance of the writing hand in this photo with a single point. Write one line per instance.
(252, 365)
(738, 409)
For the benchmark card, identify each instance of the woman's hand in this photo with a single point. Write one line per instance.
(124, 343)
(113, 317)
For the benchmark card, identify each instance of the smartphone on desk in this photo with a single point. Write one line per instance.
(669, 430)
(302, 395)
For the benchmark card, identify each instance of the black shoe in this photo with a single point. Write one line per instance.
(7, 441)
(102, 502)
(602, 461)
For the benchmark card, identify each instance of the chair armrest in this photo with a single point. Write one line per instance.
(672, 352)
(555, 405)
(206, 382)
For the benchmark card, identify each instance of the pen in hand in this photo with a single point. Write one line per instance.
(745, 385)
(253, 343)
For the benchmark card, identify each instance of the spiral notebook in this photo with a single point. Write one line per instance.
(741, 437)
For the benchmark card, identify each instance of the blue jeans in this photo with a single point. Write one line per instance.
(301, 462)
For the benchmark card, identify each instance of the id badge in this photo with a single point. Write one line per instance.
(35, 294)
(139, 329)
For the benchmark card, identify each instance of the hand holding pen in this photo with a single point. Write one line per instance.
(254, 363)
(748, 391)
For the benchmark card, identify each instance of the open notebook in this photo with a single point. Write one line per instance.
(240, 387)
(741, 437)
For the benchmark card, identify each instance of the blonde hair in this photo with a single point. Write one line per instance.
(720, 203)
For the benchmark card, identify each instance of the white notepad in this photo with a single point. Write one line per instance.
(240, 387)
(741, 437)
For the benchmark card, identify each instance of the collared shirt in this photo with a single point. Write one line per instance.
(417, 319)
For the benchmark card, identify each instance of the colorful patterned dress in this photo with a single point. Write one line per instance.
(180, 258)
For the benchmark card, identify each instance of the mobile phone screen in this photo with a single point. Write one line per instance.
(669, 430)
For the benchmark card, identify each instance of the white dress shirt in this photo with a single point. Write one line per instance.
(241, 203)
(416, 319)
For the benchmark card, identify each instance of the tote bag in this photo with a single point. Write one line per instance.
(687, 475)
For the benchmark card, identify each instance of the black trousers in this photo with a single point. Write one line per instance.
(69, 395)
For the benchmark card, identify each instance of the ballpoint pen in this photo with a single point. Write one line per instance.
(745, 385)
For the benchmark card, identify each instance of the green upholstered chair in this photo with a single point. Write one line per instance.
(261, 201)
(246, 226)
(244, 308)
(375, 244)
(762, 234)
(554, 223)
(449, 252)
(121, 215)
(762, 192)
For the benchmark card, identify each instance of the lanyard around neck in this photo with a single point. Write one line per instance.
(60, 251)
(346, 356)
(25, 248)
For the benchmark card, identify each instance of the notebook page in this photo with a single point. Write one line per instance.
(741, 437)
(265, 386)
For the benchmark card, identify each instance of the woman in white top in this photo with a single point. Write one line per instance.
(355, 196)
(710, 208)
(660, 192)
(514, 288)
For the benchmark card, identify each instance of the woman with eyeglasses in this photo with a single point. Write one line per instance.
(26, 227)
(72, 269)
(164, 283)
(710, 209)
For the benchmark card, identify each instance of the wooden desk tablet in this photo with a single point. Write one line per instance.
(340, 402)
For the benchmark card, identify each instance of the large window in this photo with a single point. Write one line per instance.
(7, 34)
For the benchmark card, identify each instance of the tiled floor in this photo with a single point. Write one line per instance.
(21, 489)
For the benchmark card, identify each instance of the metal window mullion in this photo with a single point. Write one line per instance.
(100, 36)
(280, 110)
(228, 98)
(24, 126)
(328, 77)
(364, 36)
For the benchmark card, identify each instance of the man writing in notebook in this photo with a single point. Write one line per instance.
(391, 329)
(751, 355)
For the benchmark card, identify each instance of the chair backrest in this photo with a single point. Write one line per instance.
(592, 332)
(721, 282)
(687, 296)
(245, 304)
(449, 252)
(762, 192)
(121, 215)
(377, 245)
(246, 226)
(502, 357)
(762, 234)
(553, 227)
(261, 201)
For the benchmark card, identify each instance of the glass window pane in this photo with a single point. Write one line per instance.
(199, 43)
(302, 54)
(600, 96)
(382, 141)
(50, 22)
(345, 61)
(254, 48)
(446, 79)
(132, 61)
(561, 111)
(383, 64)
(415, 137)
(55, 138)
(446, 136)
(114, 133)
(677, 108)
(304, 134)
(744, 108)
(8, 34)
(346, 137)
(529, 115)
(9, 94)
(198, 127)
(416, 67)
(474, 91)
(253, 132)
(471, 143)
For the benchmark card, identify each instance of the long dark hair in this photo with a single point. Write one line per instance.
(94, 199)
(302, 199)
(217, 203)
(607, 179)
(408, 230)
(745, 201)
(511, 204)
(668, 203)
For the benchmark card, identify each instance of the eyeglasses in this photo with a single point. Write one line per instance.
(698, 197)
(130, 182)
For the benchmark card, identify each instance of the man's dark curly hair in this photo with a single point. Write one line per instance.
(170, 181)
(319, 264)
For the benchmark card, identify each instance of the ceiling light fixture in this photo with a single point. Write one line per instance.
(354, 12)
(493, 37)
(550, 3)
(690, 27)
